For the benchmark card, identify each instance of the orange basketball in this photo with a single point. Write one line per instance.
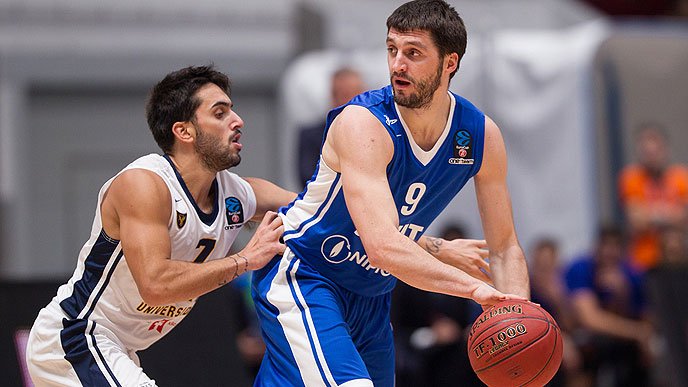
(515, 343)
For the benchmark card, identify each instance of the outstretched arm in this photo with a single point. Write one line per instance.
(507, 261)
(359, 147)
(136, 210)
(593, 317)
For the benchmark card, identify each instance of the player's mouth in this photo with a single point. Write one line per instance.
(400, 83)
(235, 139)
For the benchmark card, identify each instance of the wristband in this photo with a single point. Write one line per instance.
(245, 261)
(236, 268)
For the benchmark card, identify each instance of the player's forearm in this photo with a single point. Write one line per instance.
(179, 281)
(510, 271)
(410, 263)
(430, 244)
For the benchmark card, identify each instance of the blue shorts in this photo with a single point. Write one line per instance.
(317, 333)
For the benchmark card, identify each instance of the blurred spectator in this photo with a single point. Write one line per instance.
(636, 7)
(668, 289)
(606, 296)
(430, 332)
(346, 84)
(546, 280)
(674, 247)
(654, 195)
(549, 290)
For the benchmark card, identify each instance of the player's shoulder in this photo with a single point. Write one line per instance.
(234, 185)
(466, 104)
(151, 161)
(375, 97)
(149, 169)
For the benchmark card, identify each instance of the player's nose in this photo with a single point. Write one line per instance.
(398, 63)
(237, 122)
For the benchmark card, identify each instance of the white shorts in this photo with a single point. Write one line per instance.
(63, 352)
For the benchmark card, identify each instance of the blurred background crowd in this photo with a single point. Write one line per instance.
(590, 95)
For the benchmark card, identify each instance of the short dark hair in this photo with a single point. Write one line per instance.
(654, 128)
(546, 242)
(453, 231)
(610, 232)
(174, 99)
(436, 16)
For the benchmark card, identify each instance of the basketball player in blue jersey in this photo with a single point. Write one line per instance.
(162, 231)
(391, 160)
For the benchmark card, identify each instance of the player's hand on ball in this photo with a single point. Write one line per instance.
(487, 296)
(265, 243)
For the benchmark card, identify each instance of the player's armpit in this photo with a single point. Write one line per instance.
(269, 196)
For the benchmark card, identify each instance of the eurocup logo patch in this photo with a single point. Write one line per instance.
(235, 213)
(463, 149)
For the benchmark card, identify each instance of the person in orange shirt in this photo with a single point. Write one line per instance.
(654, 195)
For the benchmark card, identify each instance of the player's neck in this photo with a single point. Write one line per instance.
(427, 123)
(197, 178)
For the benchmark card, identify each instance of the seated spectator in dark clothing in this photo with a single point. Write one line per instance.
(607, 298)
(346, 84)
(549, 290)
(430, 332)
(667, 288)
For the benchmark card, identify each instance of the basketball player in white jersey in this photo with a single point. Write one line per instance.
(162, 230)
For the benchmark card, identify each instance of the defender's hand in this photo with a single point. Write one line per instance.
(265, 243)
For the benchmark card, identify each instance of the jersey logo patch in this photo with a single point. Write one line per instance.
(389, 121)
(235, 213)
(160, 324)
(463, 150)
(181, 219)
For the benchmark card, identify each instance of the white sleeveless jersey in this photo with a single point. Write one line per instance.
(102, 288)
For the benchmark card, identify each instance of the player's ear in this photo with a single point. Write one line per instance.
(452, 62)
(184, 131)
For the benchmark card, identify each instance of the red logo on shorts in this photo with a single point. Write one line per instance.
(158, 325)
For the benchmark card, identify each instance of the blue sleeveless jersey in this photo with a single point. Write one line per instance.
(318, 228)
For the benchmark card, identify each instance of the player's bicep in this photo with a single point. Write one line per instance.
(143, 205)
(364, 149)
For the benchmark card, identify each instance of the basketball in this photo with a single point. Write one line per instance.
(515, 343)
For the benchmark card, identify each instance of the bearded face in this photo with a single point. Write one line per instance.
(217, 154)
(425, 88)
